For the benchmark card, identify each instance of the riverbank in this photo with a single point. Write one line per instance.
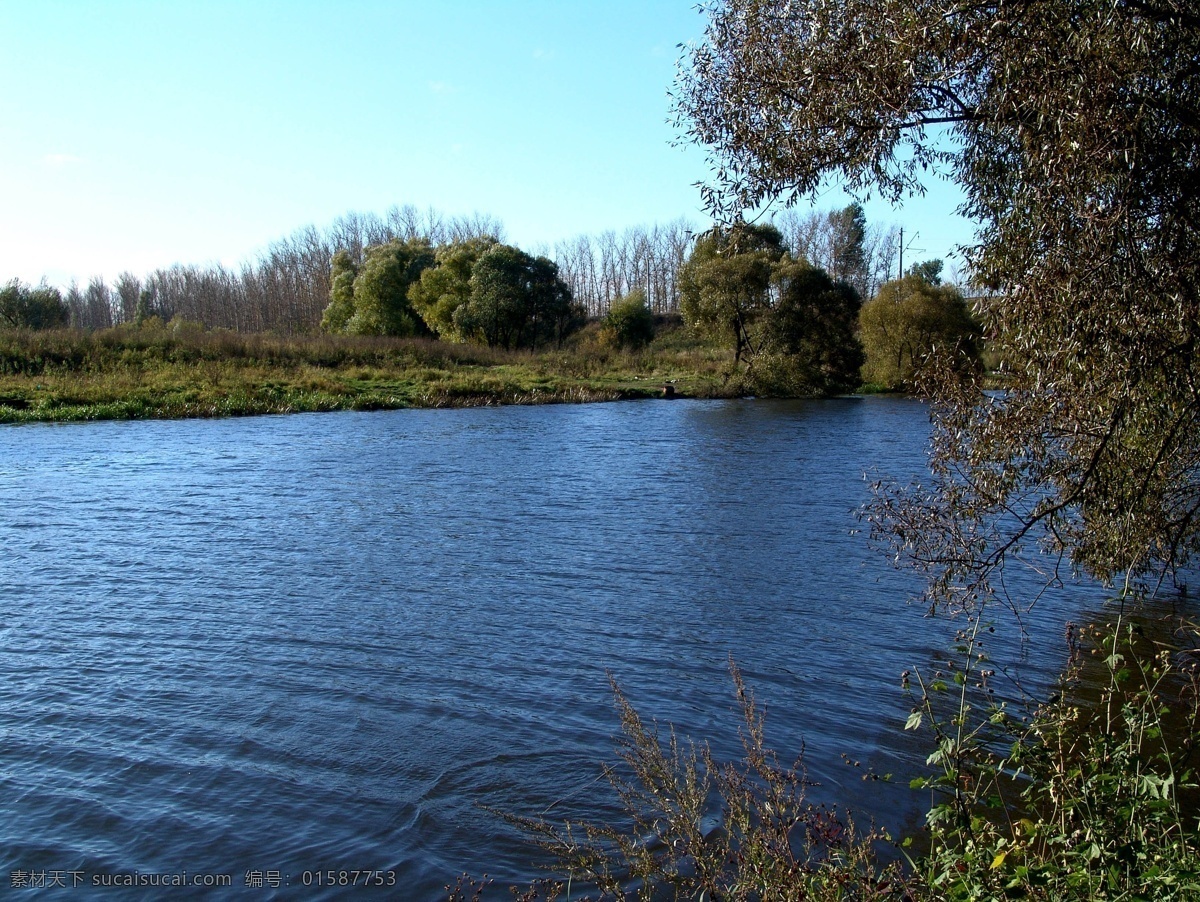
(179, 370)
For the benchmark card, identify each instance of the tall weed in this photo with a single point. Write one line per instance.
(697, 829)
(1093, 795)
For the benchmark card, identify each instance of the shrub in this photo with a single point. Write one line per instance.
(1089, 802)
(910, 321)
(629, 323)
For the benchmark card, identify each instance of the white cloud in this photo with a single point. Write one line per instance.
(442, 87)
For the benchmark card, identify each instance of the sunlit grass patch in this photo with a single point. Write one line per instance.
(171, 370)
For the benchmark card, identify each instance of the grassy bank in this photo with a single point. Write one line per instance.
(180, 370)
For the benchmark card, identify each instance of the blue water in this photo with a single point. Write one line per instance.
(271, 647)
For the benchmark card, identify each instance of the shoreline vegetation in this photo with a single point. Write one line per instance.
(419, 313)
(1090, 793)
(180, 370)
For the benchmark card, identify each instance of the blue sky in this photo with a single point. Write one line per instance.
(141, 134)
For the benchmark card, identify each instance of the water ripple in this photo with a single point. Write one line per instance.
(312, 642)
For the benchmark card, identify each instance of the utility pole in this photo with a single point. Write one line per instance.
(900, 273)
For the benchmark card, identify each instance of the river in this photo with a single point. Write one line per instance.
(272, 647)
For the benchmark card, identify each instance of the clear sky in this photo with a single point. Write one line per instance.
(136, 134)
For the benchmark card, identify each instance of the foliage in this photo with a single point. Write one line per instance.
(473, 289)
(765, 842)
(1088, 803)
(446, 286)
(343, 271)
(372, 297)
(928, 270)
(808, 345)
(142, 309)
(841, 242)
(629, 324)
(23, 307)
(848, 228)
(724, 286)
(288, 287)
(516, 301)
(1094, 796)
(790, 322)
(913, 322)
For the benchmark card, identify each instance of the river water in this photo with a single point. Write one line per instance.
(273, 647)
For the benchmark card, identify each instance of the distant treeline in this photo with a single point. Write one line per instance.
(287, 288)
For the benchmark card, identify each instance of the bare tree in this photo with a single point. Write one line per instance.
(602, 268)
(128, 289)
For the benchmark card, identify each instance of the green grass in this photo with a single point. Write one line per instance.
(180, 370)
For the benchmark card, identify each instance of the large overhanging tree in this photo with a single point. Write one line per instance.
(1072, 126)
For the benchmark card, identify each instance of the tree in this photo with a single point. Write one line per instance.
(911, 323)
(789, 321)
(808, 343)
(552, 313)
(446, 286)
(372, 298)
(629, 323)
(343, 272)
(842, 243)
(99, 303)
(32, 308)
(495, 311)
(725, 284)
(1074, 130)
(599, 270)
(381, 288)
(930, 271)
(516, 301)
(848, 230)
(128, 289)
(145, 306)
(75, 306)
